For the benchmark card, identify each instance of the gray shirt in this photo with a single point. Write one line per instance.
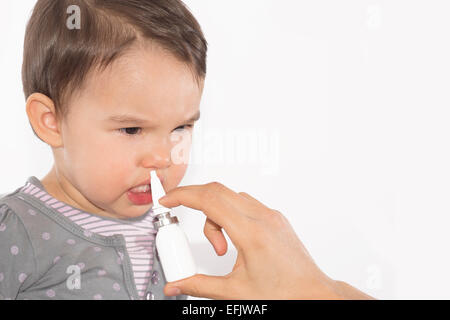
(67, 265)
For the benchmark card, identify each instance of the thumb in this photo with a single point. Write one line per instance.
(200, 285)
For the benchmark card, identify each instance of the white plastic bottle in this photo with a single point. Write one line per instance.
(172, 244)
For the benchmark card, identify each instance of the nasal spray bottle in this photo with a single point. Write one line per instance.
(171, 242)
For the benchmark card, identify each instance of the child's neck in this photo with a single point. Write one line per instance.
(53, 186)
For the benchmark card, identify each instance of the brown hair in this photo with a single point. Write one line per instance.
(57, 59)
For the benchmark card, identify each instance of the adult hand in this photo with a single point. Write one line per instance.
(272, 263)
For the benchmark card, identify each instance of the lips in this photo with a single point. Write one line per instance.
(141, 194)
(140, 198)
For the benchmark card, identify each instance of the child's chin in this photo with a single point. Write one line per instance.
(136, 211)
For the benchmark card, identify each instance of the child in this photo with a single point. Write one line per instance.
(109, 85)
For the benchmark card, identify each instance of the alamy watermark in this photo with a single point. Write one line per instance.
(374, 17)
(254, 147)
(374, 277)
(74, 280)
(74, 20)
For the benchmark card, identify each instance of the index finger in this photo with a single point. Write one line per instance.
(219, 203)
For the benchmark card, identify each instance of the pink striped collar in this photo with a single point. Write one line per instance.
(34, 188)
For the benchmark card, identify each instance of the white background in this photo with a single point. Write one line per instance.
(356, 93)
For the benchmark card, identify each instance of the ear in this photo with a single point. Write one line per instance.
(42, 116)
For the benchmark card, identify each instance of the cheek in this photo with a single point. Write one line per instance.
(98, 163)
(176, 175)
(105, 182)
(113, 169)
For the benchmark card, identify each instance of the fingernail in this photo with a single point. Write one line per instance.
(174, 291)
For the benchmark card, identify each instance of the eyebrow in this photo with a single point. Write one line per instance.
(125, 118)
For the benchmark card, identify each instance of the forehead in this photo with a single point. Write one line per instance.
(146, 82)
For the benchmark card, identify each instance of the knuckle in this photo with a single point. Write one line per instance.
(275, 217)
(216, 186)
(276, 213)
(213, 190)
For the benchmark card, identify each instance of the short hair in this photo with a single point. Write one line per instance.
(57, 59)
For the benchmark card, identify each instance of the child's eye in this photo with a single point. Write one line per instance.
(186, 126)
(130, 131)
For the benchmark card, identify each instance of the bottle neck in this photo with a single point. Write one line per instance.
(164, 219)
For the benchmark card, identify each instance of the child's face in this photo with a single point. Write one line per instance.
(100, 160)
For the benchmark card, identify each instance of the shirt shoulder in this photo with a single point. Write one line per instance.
(18, 262)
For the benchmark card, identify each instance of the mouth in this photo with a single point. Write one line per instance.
(141, 188)
(143, 184)
(141, 194)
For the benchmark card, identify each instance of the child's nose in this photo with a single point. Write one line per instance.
(158, 156)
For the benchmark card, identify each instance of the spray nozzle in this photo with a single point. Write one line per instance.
(157, 193)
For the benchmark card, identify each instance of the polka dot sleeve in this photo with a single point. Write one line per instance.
(17, 262)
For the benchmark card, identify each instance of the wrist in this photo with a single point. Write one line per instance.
(324, 288)
(345, 291)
